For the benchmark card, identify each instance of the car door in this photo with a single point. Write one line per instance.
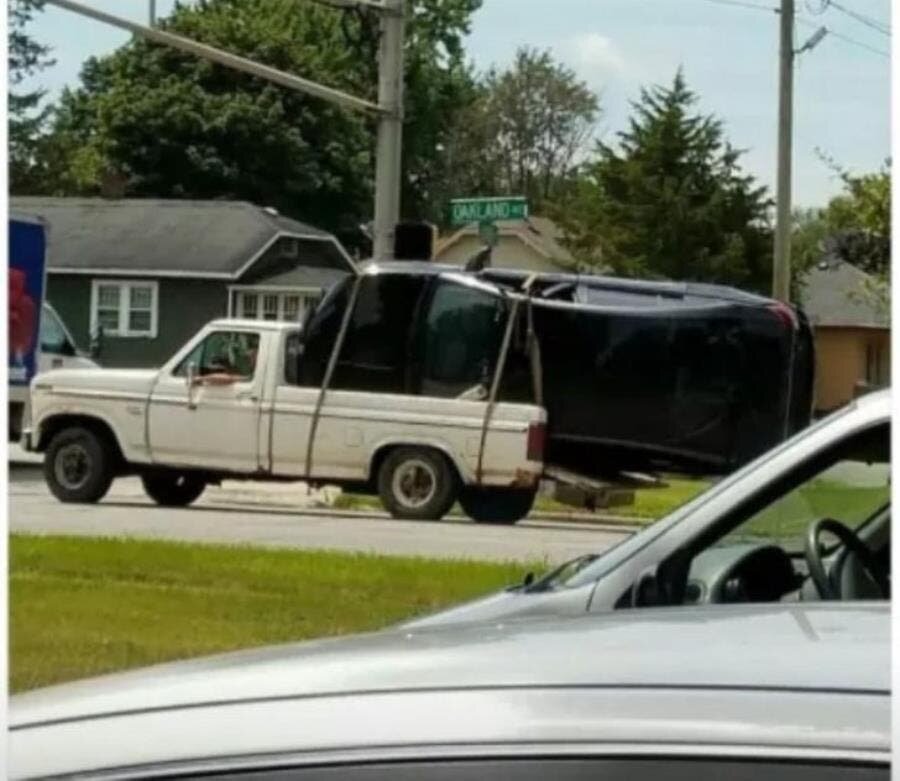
(208, 415)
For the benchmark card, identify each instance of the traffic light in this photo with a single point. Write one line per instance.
(414, 241)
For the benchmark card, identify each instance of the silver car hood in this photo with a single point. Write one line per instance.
(509, 604)
(817, 646)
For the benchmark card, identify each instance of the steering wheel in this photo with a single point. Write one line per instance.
(852, 543)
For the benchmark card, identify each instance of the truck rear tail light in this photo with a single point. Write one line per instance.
(787, 315)
(537, 436)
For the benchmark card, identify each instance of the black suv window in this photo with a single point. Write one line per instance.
(320, 335)
(374, 354)
(459, 340)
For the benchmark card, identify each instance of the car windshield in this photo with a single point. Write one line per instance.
(589, 571)
(850, 491)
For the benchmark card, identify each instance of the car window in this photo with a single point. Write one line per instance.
(320, 335)
(231, 353)
(53, 335)
(459, 342)
(374, 353)
(851, 486)
(614, 556)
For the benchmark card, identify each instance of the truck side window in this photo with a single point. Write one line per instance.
(223, 352)
(459, 342)
(318, 341)
(374, 354)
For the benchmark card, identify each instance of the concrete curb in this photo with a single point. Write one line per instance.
(283, 496)
(599, 522)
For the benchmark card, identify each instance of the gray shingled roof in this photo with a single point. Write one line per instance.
(193, 238)
(833, 295)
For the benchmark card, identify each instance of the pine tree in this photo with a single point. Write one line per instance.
(670, 201)
(26, 115)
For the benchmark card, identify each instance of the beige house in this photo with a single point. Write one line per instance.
(534, 244)
(852, 334)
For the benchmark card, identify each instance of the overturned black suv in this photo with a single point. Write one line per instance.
(635, 376)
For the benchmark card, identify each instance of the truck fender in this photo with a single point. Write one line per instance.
(382, 446)
(54, 419)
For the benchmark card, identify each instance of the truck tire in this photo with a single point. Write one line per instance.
(497, 505)
(172, 488)
(78, 465)
(417, 483)
(16, 413)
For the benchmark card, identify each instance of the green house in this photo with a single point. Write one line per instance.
(146, 274)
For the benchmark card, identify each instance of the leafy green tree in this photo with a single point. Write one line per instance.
(176, 126)
(670, 200)
(855, 226)
(522, 131)
(27, 116)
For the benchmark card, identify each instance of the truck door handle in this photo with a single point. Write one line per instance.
(247, 397)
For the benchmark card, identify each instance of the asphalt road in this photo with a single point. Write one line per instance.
(126, 512)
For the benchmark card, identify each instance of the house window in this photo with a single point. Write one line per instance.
(291, 308)
(272, 305)
(125, 308)
(248, 306)
(877, 371)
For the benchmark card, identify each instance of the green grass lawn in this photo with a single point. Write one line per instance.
(649, 503)
(84, 606)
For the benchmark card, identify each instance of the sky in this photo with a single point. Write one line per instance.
(729, 53)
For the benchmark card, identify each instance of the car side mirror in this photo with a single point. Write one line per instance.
(645, 591)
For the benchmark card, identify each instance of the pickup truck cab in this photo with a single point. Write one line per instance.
(240, 400)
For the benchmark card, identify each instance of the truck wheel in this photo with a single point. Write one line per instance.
(78, 465)
(417, 483)
(497, 505)
(173, 489)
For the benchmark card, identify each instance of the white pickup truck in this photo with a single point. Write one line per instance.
(237, 401)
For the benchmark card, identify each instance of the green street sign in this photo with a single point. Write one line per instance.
(464, 211)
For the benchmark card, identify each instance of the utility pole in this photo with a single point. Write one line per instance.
(388, 110)
(152, 13)
(781, 270)
(388, 146)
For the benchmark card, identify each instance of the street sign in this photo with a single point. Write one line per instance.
(464, 211)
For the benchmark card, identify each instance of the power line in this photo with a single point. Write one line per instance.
(743, 4)
(847, 39)
(861, 18)
(801, 20)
